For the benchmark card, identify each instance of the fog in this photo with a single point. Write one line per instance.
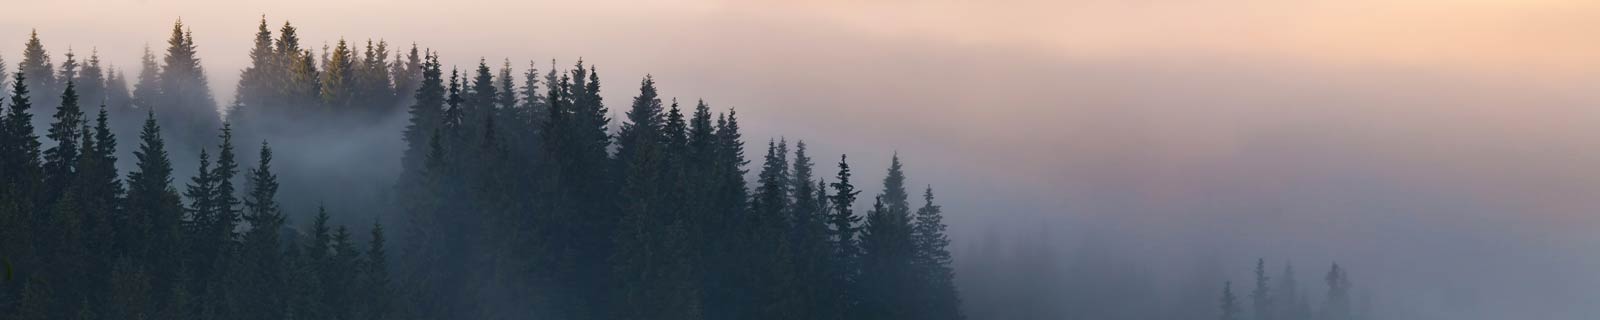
(1145, 151)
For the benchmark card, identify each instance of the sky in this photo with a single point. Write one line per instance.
(1445, 151)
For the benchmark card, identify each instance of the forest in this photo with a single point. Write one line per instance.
(518, 196)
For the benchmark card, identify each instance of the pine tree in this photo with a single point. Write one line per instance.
(654, 282)
(407, 75)
(193, 113)
(40, 72)
(373, 87)
(155, 213)
(1261, 296)
(1286, 295)
(92, 81)
(939, 297)
(61, 159)
(147, 92)
(1229, 304)
(1337, 306)
(843, 229)
(886, 257)
(376, 284)
(20, 181)
(338, 79)
(264, 281)
(256, 90)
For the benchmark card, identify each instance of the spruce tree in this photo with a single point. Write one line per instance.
(21, 180)
(939, 298)
(257, 83)
(61, 160)
(40, 72)
(1337, 305)
(191, 112)
(1229, 305)
(375, 285)
(843, 228)
(338, 79)
(264, 280)
(155, 214)
(147, 92)
(92, 81)
(1261, 296)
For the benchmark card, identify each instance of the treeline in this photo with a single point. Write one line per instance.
(516, 199)
(1286, 301)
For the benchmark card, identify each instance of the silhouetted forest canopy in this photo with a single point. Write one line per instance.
(138, 196)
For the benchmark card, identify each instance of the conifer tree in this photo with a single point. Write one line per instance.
(843, 229)
(338, 78)
(654, 282)
(257, 82)
(61, 160)
(1261, 296)
(91, 81)
(407, 75)
(376, 284)
(1229, 304)
(426, 115)
(184, 91)
(19, 152)
(69, 68)
(939, 297)
(1286, 296)
(155, 214)
(264, 280)
(147, 92)
(39, 71)
(1337, 306)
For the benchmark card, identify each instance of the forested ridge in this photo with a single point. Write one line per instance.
(519, 197)
(520, 194)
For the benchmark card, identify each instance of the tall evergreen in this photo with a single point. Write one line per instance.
(147, 92)
(155, 214)
(338, 79)
(375, 285)
(426, 115)
(263, 277)
(844, 228)
(938, 296)
(1337, 306)
(20, 156)
(654, 282)
(190, 112)
(39, 71)
(406, 73)
(257, 83)
(1261, 296)
(91, 81)
(61, 159)
(1229, 304)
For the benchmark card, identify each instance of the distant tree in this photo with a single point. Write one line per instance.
(39, 71)
(190, 112)
(147, 92)
(844, 228)
(338, 79)
(376, 287)
(92, 81)
(264, 275)
(406, 73)
(155, 214)
(1229, 303)
(1261, 296)
(258, 82)
(61, 159)
(1337, 307)
(939, 299)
